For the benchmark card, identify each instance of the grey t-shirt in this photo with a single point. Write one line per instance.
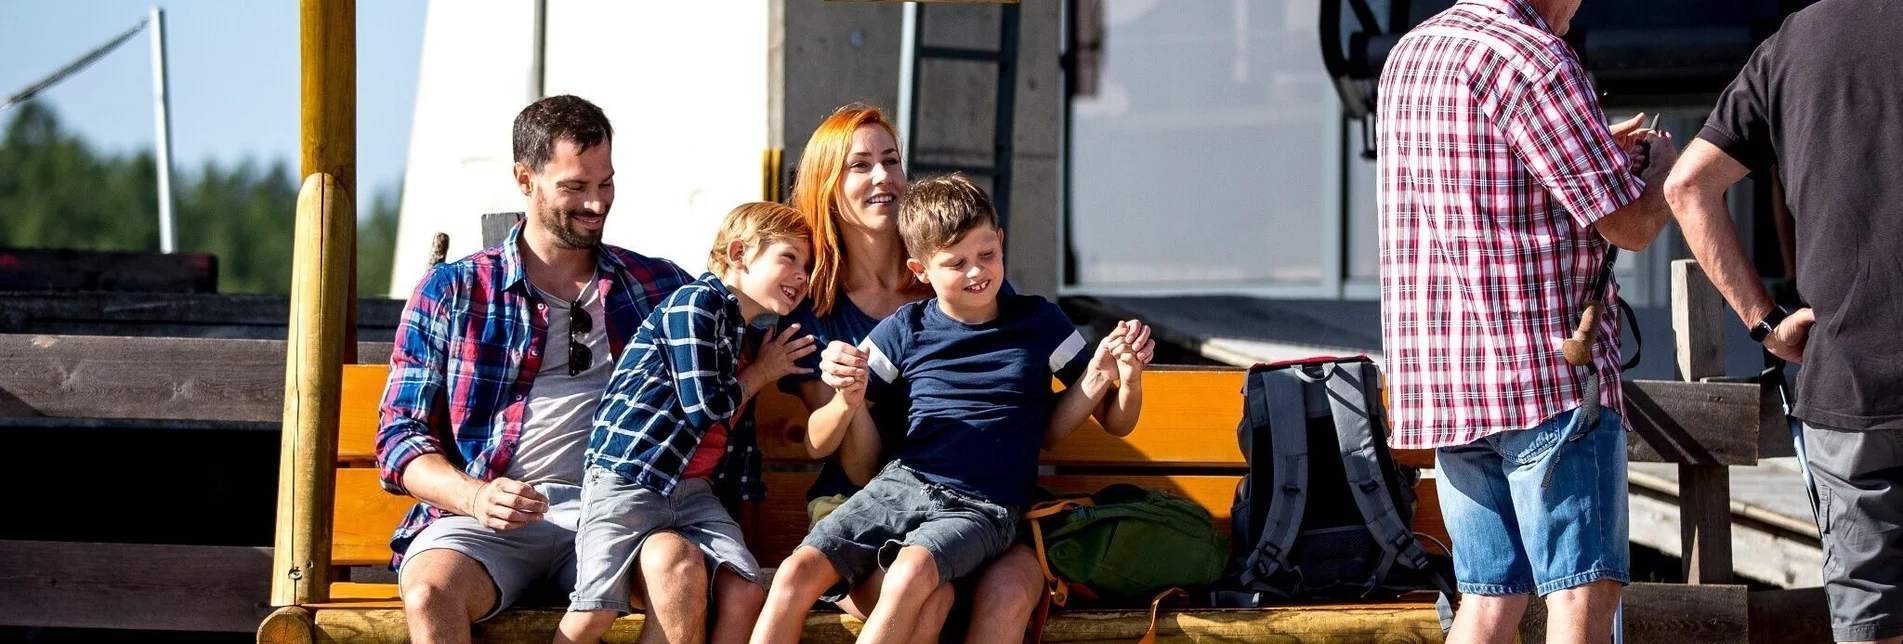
(561, 407)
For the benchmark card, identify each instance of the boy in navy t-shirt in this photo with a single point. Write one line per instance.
(973, 369)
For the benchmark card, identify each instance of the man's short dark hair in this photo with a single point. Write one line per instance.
(552, 119)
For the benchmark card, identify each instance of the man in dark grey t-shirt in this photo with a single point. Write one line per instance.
(1823, 101)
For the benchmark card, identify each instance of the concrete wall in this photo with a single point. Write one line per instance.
(830, 54)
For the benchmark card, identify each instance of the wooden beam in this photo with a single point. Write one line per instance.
(182, 315)
(1667, 614)
(151, 378)
(1795, 615)
(327, 129)
(313, 374)
(496, 226)
(1704, 486)
(1698, 423)
(122, 586)
(58, 269)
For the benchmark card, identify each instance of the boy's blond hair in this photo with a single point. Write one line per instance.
(938, 211)
(757, 223)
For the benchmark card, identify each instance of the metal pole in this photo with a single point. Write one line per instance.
(162, 121)
(908, 79)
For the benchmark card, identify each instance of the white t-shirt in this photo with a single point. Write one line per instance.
(562, 407)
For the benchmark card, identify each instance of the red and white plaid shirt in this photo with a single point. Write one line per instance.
(1494, 163)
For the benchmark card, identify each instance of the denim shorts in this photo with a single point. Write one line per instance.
(617, 517)
(899, 508)
(1538, 510)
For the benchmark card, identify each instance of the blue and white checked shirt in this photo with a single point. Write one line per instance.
(678, 379)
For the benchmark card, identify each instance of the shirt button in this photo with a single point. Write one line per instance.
(539, 306)
(518, 397)
(535, 352)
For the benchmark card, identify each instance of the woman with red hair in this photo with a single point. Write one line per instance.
(850, 181)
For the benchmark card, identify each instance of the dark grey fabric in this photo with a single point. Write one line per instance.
(899, 508)
(1858, 479)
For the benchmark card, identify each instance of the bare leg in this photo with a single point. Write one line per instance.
(1008, 593)
(443, 592)
(860, 601)
(1488, 619)
(584, 627)
(737, 605)
(673, 584)
(1582, 614)
(864, 598)
(803, 577)
(909, 583)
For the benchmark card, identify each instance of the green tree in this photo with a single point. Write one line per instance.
(57, 192)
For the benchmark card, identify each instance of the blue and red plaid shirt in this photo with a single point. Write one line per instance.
(466, 355)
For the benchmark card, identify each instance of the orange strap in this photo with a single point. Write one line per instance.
(1156, 607)
(1056, 591)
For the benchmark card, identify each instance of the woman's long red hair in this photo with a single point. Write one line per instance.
(816, 193)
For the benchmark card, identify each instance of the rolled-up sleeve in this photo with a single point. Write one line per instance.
(413, 398)
(1556, 129)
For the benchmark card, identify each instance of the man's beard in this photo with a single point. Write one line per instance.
(560, 224)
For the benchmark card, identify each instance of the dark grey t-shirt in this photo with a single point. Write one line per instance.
(1823, 101)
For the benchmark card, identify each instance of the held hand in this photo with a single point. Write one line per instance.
(1661, 154)
(1138, 350)
(1627, 134)
(853, 395)
(1104, 360)
(841, 365)
(779, 354)
(506, 504)
(1791, 335)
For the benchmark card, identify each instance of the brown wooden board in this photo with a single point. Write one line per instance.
(151, 378)
(122, 586)
(1706, 423)
(1794, 615)
(1668, 614)
(58, 269)
(187, 315)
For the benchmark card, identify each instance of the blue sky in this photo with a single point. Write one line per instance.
(234, 78)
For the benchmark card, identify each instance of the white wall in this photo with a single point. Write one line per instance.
(685, 85)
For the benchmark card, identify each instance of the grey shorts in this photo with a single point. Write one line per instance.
(1858, 478)
(898, 508)
(619, 515)
(539, 555)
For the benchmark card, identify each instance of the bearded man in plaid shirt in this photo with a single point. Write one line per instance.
(1500, 187)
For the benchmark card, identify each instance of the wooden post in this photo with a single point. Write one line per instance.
(313, 380)
(1704, 489)
(328, 124)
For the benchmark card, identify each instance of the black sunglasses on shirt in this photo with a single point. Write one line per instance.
(579, 324)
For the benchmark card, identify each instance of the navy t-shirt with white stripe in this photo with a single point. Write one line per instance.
(978, 396)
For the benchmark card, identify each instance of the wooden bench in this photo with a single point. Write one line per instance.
(1186, 444)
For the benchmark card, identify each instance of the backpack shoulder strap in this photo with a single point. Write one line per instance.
(1350, 402)
(1282, 404)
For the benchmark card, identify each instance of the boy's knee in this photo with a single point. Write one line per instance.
(806, 571)
(589, 625)
(734, 591)
(1015, 578)
(914, 567)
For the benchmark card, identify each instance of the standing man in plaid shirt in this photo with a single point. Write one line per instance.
(1501, 186)
(498, 367)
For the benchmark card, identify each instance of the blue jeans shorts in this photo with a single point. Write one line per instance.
(1538, 510)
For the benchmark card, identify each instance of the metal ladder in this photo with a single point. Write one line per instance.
(1006, 59)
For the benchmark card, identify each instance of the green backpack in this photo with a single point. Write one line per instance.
(1126, 543)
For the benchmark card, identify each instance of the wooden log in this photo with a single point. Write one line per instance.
(313, 372)
(1704, 486)
(123, 586)
(56, 269)
(1668, 614)
(288, 625)
(1412, 623)
(1785, 616)
(150, 378)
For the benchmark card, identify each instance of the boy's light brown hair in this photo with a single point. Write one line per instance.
(758, 223)
(938, 211)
